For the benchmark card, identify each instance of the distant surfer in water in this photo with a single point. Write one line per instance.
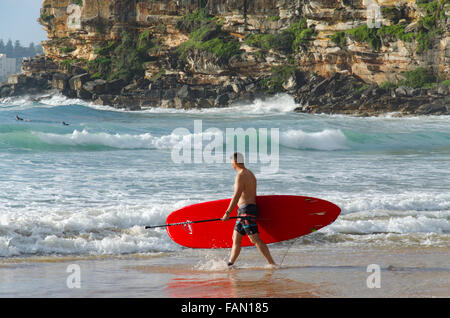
(245, 197)
(65, 124)
(21, 119)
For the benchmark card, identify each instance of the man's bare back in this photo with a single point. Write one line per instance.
(248, 183)
(244, 189)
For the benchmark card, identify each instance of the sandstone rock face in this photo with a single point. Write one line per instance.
(332, 56)
(359, 59)
(83, 28)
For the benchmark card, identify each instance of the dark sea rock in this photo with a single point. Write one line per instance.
(342, 94)
(76, 82)
(337, 94)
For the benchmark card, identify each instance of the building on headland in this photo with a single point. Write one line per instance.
(7, 67)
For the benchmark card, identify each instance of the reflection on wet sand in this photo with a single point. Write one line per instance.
(233, 283)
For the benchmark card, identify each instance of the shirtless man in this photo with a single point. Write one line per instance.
(245, 197)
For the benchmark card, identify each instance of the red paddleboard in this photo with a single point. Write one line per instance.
(281, 217)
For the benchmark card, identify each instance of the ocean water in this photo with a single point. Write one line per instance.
(90, 188)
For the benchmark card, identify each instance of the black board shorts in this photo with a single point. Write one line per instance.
(247, 225)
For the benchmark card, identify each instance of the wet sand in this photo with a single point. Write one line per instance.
(307, 272)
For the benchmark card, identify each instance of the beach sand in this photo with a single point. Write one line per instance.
(306, 272)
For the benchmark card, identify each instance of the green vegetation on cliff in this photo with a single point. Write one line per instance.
(339, 38)
(122, 60)
(394, 32)
(195, 20)
(287, 41)
(67, 49)
(420, 77)
(279, 75)
(365, 34)
(375, 37)
(427, 29)
(429, 25)
(206, 34)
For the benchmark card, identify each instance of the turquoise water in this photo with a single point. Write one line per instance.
(90, 188)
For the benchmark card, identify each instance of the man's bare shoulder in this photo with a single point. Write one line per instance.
(245, 175)
(240, 176)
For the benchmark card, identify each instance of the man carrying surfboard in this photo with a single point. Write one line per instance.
(245, 198)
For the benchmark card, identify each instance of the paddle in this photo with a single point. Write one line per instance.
(193, 222)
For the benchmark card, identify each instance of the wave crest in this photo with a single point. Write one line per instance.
(325, 140)
(85, 138)
(328, 139)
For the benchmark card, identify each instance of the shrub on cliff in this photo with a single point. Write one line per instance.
(100, 66)
(420, 77)
(287, 41)
(195, 20)
(429, 26)
(67, 49)
(302, 34)
(207, 35)
(279, 75)
(375, 37)
(127, 58)
(434, 14)
(339, 38)
(394, 32)
(387, 85)
(280, 42)
(365, 34)
(122, 60)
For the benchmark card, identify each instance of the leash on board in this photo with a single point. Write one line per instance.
(284, 256)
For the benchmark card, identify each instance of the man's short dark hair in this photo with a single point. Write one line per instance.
(237, 157)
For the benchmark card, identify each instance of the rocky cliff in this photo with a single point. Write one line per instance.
(333, 56)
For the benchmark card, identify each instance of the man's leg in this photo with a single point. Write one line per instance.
(236, 249)
(262, 247)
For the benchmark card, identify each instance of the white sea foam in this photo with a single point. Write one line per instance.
(61, 100)
(123, 141)
(282, 103)
(298, 139)
(277, 104)
(328, 139)
(21, 101)
(115, 230)
(400, 225)
(48, 101)
(411, 202)
(120, 141)
(211, 264)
